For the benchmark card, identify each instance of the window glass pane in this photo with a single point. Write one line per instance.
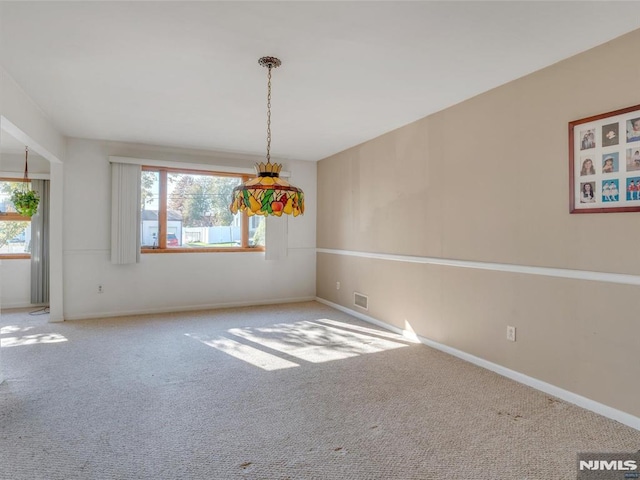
(198, 213)
(15, 237)
(257, 225)
(150, 204)
(6, 189)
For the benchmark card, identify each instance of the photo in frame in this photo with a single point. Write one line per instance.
(604, 162)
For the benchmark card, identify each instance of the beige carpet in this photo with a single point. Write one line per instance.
(298, 391)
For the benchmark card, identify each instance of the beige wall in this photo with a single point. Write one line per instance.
(487, 180)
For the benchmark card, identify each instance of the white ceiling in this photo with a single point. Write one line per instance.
(9, 144)
(13, 156)
(185, 74)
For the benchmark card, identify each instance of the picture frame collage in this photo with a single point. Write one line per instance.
(604, 162)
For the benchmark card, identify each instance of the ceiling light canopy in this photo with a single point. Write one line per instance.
(268, 194)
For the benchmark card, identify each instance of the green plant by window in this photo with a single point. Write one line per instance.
(26, 202)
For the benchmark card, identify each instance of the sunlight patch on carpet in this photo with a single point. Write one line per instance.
(379, 333)
(315, 342)
(40, 338)
(14, 329)
(249, 354)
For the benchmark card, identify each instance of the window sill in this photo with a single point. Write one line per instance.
(202, 250)
(13, 217)
(15, 256)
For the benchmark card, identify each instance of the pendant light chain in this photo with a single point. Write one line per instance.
(269, 116)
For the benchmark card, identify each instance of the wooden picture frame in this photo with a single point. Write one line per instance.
(604, 162)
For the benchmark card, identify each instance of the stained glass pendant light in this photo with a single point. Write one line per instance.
(268, 194)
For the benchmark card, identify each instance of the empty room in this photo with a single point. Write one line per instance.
(293, 240)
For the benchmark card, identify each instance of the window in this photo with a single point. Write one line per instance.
(15, 230)
(188, 211)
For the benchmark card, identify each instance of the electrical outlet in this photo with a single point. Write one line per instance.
(337, 285)
(100, 289)
(511, 333)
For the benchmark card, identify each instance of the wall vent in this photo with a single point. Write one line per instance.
(361, 300)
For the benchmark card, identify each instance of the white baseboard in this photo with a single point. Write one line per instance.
(11, 306)
(586, 403)
(187, 308)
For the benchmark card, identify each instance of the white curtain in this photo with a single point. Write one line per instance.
(125, 213)
(40, 245)
(275, 238)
